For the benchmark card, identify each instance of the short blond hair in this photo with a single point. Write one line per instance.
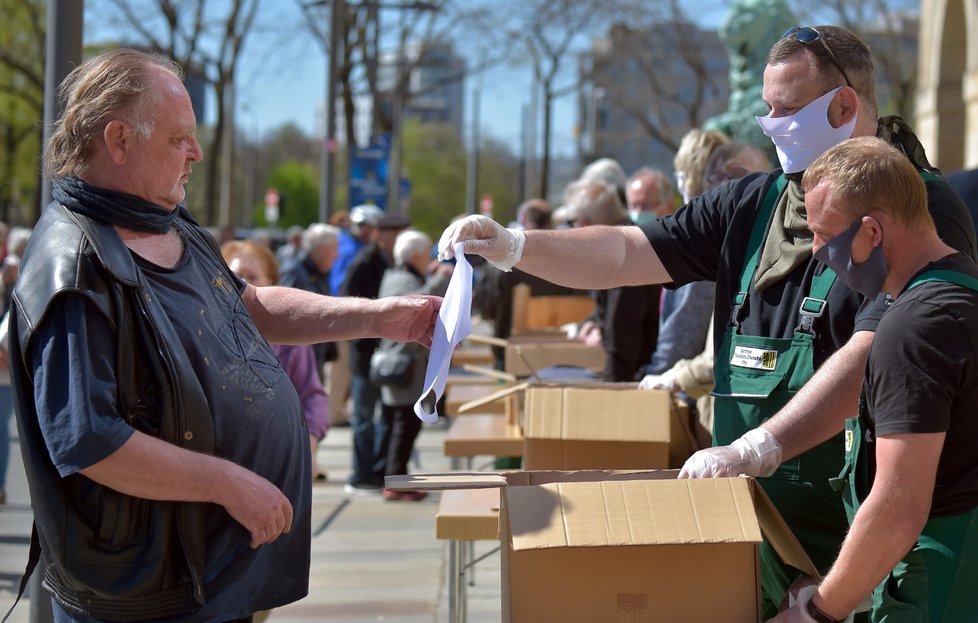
(872, 175)
(113, 85)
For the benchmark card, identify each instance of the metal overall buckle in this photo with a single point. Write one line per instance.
(809, 310)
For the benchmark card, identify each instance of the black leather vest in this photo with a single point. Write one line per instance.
(112, 556)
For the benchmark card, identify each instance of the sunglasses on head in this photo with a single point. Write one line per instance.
(807, 35)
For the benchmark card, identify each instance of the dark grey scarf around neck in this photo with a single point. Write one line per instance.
(112, 207)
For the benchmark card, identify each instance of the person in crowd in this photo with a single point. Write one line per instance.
(16, 242)
(492, 295)
(363, 280)
(256, 265)
(692, 377)
(357, 229)
(293, 245)
(310, 270)
(690, 160)
(626, 319)
(412, 262)
(733, 161)
(165, 448)
(650, 195)
(910, 475)
(340, 219)
(607, 171)
(533, 214)
(10, 266)
(686, 311)
(361, 231)
(782, 320)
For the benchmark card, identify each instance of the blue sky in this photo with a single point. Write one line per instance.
(282, 79)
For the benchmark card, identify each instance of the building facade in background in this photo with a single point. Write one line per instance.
(642, 90)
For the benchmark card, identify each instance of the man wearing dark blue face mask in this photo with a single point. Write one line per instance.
(909, 479)
(790, 339)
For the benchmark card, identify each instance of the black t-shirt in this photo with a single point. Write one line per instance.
(922, 377)
(707, 241)
(363, 279)
(258, 424)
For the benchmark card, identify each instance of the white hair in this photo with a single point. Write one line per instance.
(318, 235)
(17, 240)
(607, 171)
(409, 243)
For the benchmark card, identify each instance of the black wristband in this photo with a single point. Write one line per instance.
(818, 615)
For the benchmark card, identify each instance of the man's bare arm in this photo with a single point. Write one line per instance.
(293, 316)
(814, 415)
(820, 409)
(594, 257)
(150, 468)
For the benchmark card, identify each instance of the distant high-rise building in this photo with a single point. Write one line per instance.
(436, 86)
(644, 89)
(435, 91)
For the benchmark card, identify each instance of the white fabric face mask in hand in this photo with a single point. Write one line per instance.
(454, 324)
(804, 136)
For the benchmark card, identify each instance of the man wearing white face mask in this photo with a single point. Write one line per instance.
(779, 314)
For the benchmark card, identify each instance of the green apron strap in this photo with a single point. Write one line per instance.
(754, 243)
(813, 305)
(949, 276)
(759, 230)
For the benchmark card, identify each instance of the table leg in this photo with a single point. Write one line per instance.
(453, 572)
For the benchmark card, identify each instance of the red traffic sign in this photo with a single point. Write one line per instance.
(271, 197)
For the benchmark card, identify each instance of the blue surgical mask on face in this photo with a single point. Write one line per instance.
(641, 216)
(866, 277)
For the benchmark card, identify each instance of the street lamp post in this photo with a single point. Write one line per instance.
(337, 24)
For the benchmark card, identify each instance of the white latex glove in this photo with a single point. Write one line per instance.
(666, 380)
(796, 612)
(483, 236)
(756, 453)
(569, 329)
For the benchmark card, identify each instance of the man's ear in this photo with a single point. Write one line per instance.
(844, 107)
(117, 141)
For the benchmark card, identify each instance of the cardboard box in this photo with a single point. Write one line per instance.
(604, 426)
(595, 425)
(636, 547)
(529, 353)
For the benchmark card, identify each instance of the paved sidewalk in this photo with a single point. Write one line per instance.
(372, 560)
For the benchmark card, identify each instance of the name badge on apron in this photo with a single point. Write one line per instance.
(754, 358)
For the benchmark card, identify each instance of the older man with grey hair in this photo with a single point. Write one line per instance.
(650, 194)
(164, 444)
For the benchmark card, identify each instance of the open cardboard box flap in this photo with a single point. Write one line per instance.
(626, 508)
(509, 391)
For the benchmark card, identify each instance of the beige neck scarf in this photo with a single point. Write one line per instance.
(788, 243)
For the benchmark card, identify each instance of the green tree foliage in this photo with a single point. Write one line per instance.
(21, 107)
(298, 187)
(435, 163)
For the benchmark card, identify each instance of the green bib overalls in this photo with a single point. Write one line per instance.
(937, 581)
(755, 378)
